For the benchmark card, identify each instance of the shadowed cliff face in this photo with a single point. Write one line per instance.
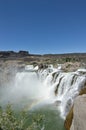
(69, 119)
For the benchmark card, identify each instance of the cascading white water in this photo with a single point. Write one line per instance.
(65, 87)
(50, 85)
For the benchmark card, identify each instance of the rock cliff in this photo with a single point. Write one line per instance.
(79, 117)
(76, 119)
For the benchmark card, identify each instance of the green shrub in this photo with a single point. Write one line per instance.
(10, 121)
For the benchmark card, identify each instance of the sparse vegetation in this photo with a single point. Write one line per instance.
(9, 120)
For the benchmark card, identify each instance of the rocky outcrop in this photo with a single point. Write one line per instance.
(8, 54)
(79, 118)
(70, 66)
(43, 66)
(23, 53)
(4, 54)
(75, 119)
(83, 91)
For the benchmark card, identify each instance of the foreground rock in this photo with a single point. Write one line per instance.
(79, 119)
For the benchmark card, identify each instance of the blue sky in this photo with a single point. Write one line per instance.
(43, 26)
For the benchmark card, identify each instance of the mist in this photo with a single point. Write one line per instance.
(24, 89)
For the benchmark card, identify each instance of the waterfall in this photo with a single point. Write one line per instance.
(54, 84)
(65, 86)
(50, 85)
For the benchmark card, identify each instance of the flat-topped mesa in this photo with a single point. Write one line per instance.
(8, 54)
(23, 53)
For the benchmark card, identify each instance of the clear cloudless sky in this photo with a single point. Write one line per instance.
(43, 26)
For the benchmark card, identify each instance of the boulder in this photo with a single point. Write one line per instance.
(76, 118)
(43, 66)
(79, 117)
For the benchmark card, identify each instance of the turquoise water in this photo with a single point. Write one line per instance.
(53, 121)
